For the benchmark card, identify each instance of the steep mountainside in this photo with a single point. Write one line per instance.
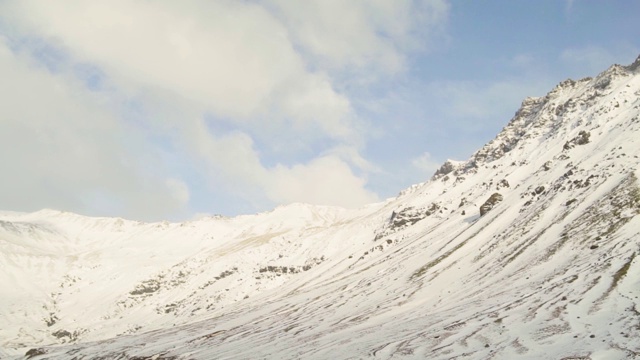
(529, 249)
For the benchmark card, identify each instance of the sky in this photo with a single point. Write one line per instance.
(154, 110)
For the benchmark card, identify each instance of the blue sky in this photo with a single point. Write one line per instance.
(169, 110)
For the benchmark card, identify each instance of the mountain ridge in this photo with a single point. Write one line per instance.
(527, 249)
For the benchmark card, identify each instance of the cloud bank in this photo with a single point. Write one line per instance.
(124, 107)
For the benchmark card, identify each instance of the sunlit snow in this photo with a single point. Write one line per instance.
(550, 271)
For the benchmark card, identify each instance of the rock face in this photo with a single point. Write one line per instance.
(490, 203)
(581, 139)
(550, 270)
(544, 116)
(448, 167)
(406, 217)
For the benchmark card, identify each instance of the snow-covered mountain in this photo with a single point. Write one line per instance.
(526, 250)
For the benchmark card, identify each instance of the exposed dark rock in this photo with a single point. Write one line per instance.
(445, 169)
(291, 269)
(65, 335)
(35, 352)
(154, 357)
(581, 139)
(490, 203)
(62, 333)
(509, 138)
(147, 287)
(432, 209)
(226, 273)
(633, 67)
(602, 83)
(406, 217)
(51, 320)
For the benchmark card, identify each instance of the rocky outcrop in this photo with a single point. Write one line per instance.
(410, 216)
(490, 203)
(635, 66)
(581, 139)
(292, 269)
(406, 217)
(448, 167)
(35, 352)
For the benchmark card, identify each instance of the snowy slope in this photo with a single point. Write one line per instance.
(549, 270)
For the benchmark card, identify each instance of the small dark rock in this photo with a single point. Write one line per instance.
(35, 352)
(62, 333)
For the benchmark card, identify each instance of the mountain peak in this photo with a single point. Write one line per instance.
(542, 117)
(635, 65)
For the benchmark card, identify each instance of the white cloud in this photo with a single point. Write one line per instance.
(231, 58)
(351, 155)
(65, 148)
(361, 34)
(324, 181)
(425, 164)
(263, 68)
(178, 190)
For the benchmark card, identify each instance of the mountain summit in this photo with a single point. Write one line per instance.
(529, 249)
